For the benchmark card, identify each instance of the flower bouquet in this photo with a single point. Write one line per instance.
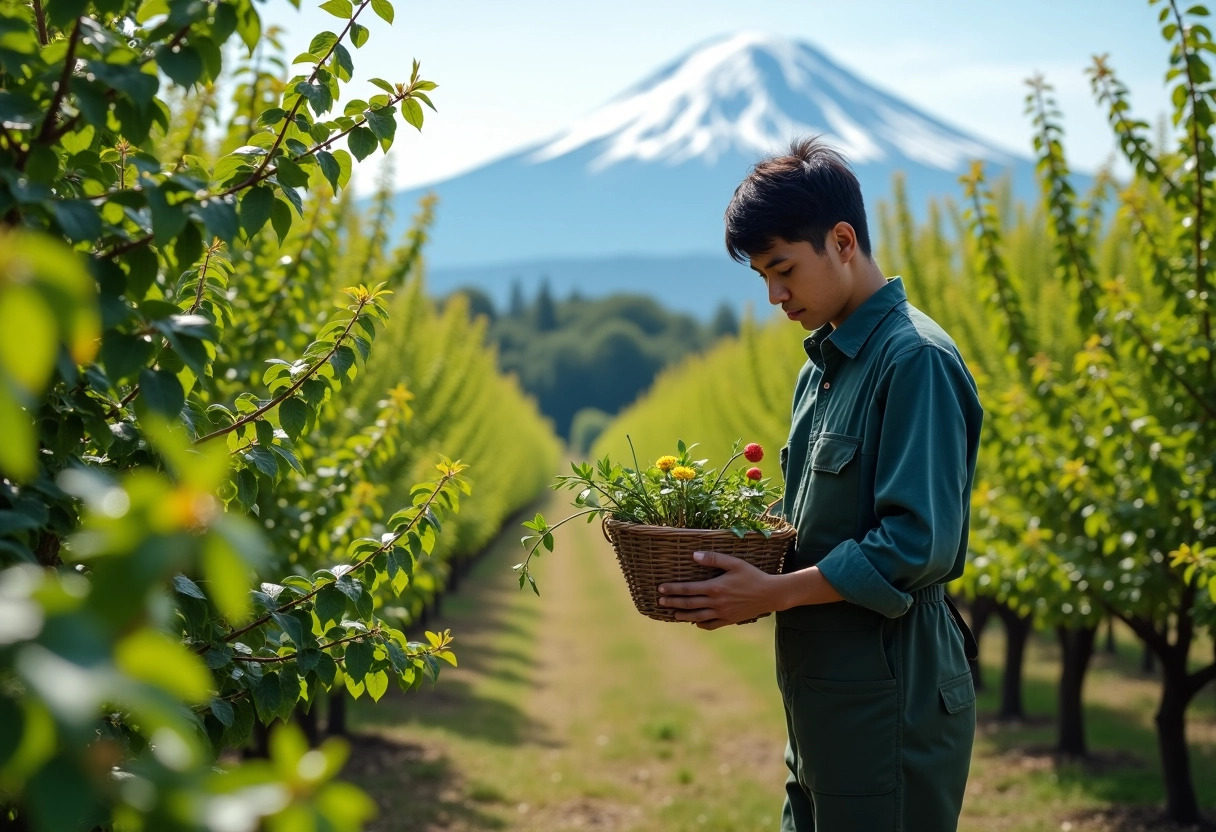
(656, 517)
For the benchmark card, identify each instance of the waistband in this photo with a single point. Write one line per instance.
(844, 615)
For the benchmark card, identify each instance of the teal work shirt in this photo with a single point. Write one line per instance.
(881, 456)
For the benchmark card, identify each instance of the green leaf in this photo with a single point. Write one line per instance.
(411, 111)
(218, 655)
(329, 167)
(343, 359)
(381, 123)
(345, 166)
(256, 205)
(219, 215)
(377, 684)
(362, 142)
(249, 25)
(182, 64)
(223, 712)
(322, 42)
(385, 9)
(272, 116)
(292, 626)
(293, 416)
(188, 587)
(242, 724)
(327, 669)
(358, 35)
(168, 220)
(160, 392)
(149, 656)
(264, 461)
(330, 606)
(281, 219)
(227, 578)
(29, 339)
(339, 8)
(317, 95)
(346, 65)
(18, 451)
(267, 696)
(352, 588)
(290, 174)
(79, 219)
(358, 659)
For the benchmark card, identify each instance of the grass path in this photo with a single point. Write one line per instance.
(573, 712)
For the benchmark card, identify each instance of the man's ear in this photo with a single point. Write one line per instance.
(844, 236)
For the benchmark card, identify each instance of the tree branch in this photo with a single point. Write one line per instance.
(40, 19)
(384, 547)
(263, 173)
(1197, 138)
(375, 631)
(123, 248)
(69, 64)
(1196, 681)
(256, 177)
(286, 394)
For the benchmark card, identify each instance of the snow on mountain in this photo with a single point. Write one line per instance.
(649, 173)
(736, 94)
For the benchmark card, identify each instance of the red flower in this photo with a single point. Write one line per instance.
(753, 452)
(754, 473)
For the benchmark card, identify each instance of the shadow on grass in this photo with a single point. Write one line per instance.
(1123, 768)
(416, 789)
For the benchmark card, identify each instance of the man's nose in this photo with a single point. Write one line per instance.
(777, 293)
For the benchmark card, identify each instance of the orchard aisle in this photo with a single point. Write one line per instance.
(572, 711)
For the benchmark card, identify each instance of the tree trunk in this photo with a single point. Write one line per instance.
(1148, 663)
(335, 725)
(1110, 648)
(982, 607)
(1017, 631)
(1076, 649)
(307, 720)
(1181, 804)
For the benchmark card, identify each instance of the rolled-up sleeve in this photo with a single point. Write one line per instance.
(921, 482)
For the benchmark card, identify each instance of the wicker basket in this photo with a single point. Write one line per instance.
(654, 555)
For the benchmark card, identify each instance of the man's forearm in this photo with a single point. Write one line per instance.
(806, 586)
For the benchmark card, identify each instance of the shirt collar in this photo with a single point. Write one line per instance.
(852, 335)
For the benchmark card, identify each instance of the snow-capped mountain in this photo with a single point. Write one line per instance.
(649, 173)
(750, 94)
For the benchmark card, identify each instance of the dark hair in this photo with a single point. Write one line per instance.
(798, 197)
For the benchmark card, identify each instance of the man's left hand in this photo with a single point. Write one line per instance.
(740, 593)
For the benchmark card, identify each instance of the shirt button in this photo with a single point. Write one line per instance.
(827, 385)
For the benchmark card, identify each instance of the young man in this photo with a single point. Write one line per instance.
(871, 658)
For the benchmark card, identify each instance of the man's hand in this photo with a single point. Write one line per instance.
(739, 593)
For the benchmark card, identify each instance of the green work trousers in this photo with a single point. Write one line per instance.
(881, 717)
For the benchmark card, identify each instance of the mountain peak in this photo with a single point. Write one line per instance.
(750, 93)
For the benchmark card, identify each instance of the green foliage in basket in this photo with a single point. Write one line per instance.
(676, 490)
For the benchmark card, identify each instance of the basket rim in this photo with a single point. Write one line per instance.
(781, 528)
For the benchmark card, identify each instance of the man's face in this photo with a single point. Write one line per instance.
(811, 288)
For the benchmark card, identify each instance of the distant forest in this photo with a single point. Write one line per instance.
(584, 359)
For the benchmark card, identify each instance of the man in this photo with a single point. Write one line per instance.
(871, 658)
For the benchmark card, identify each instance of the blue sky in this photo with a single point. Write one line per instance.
(513, 73)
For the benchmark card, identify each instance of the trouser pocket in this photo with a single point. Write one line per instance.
(846, 733)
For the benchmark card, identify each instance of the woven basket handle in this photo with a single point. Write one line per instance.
(768, 512)
(604, 528)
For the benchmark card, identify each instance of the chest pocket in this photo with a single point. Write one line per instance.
(828, 507)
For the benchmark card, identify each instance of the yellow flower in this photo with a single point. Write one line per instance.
(683, 472)
(666, 463)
